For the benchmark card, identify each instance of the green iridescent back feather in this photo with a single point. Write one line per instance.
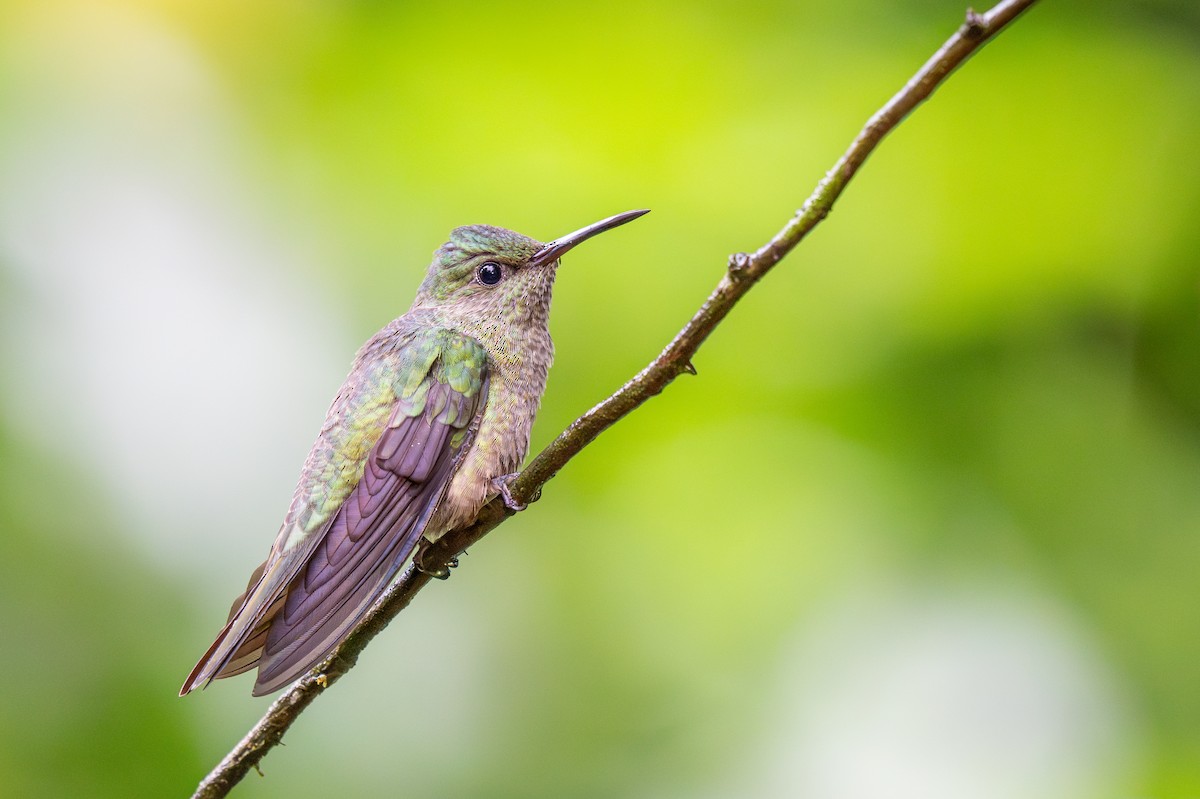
(390, 386)
(390, 373)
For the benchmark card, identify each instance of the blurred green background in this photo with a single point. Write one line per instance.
(925, 525)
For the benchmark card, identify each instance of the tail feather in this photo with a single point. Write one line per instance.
(238, 661)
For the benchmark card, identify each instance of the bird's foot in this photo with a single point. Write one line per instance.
(440, 573)
(502, 484)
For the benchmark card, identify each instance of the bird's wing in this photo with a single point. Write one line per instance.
(343, 542)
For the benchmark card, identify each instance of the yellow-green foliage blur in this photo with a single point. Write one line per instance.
(927, 523)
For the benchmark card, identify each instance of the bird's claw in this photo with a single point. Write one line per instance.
(502, 484)
(440, 573)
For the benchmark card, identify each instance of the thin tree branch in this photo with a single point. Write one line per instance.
(743, 271)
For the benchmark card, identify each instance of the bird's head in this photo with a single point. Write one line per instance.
(491, 273)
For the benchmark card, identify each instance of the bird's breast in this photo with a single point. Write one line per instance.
(516, 382)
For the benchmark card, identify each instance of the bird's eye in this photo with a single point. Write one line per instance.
(490, 273)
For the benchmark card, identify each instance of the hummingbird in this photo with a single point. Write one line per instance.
(430, 425)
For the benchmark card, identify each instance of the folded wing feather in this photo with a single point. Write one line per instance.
(288, 628)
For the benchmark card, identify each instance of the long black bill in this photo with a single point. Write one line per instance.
(555, 249)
